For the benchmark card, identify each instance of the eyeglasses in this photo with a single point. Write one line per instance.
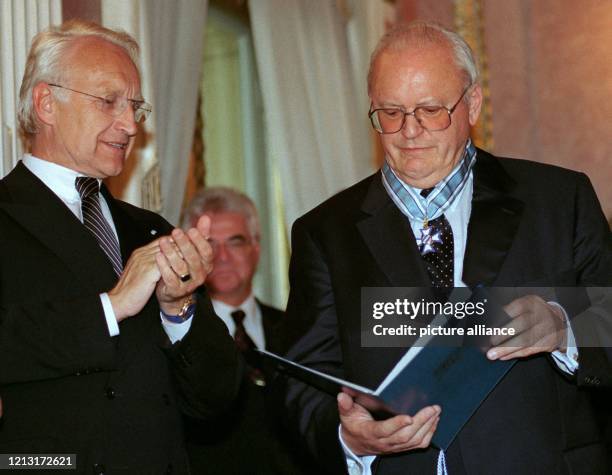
(234, 244)
(432, 118)
(114, 105)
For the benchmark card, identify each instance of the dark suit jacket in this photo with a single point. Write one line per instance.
(531, 224)
(246, 440)
(67, 387)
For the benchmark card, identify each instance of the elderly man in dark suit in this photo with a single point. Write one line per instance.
(106, 333)
(442, 213)
(248, 429)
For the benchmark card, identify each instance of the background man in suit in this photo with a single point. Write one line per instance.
(234, 237)
(99, 353)
(442, 213)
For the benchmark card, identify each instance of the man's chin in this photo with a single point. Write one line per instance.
(112, 167)
(222, 287)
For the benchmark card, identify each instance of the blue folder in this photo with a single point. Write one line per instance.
(456, 377)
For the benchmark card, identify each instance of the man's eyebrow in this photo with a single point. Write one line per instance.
(429, 101)
(389, 105)
(109, 91)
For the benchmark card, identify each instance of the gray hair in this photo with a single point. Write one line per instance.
(44, 63)
(221, 199)
(426, 33)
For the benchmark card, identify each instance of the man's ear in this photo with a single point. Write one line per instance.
(475, 103)
(45, 104)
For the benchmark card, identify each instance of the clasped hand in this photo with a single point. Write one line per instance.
(158, 267)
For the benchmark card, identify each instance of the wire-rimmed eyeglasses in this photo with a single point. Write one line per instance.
(390, 120)
(234, 245)
(115, 105)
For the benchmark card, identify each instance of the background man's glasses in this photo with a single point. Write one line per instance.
(433, 118)
(236, 244)
(115, 105)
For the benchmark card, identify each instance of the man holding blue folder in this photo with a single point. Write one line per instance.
(442, 213)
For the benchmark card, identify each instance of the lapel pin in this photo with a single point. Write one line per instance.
(153, 232)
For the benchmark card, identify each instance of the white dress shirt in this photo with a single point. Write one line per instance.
(253, 320)
(60, 180)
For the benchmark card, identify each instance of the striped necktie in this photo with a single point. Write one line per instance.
(94, 220)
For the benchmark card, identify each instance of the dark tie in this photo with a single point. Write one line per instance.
(246, 346)
(437, 249)
(94, 220)
(241, 337)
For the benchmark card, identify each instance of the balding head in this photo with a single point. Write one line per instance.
(426, 34)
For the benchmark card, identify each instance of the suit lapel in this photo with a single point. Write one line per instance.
(389, 237)
(274, 327)
(38, 210)
(494, 221)
(270, 320)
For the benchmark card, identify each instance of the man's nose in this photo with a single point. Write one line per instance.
(221, 253)
(412, 127)
(126, 121)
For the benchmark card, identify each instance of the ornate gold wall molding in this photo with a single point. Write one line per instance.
(469, 24)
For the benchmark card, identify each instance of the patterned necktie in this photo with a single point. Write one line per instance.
(94, 220)
(437, 249)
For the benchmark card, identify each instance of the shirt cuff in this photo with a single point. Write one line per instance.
(175, 331)
(356, 465)
(566, 361)
(109, 314)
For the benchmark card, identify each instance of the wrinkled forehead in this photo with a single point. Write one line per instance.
(97, 63)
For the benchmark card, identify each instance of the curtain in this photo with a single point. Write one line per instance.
(316, 120)
(235, 152)
(20, 20)
(366, 24)
(171, 38)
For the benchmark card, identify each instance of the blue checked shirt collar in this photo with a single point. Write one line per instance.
(409, 200)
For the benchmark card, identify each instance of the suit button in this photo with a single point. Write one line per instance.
(98, 469)
(110, 393)
(166, 399)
